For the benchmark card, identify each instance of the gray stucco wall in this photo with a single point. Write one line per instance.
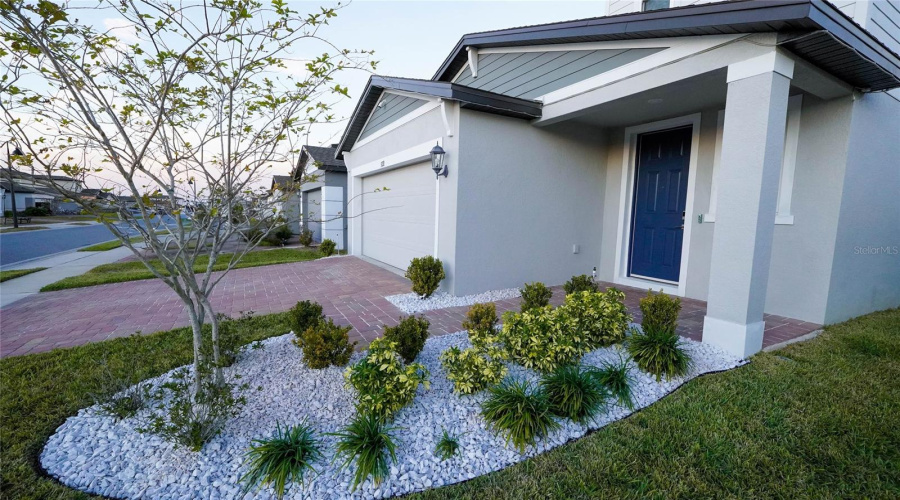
(526, 196)
(866, 272)
(800, 269)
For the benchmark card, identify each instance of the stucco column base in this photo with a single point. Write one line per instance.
(740, 340)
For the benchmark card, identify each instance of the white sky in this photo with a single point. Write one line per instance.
(410, 38)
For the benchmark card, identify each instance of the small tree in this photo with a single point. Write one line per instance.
(186, 106)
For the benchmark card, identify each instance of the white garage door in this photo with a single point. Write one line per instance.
(313, 213)
(398, 224)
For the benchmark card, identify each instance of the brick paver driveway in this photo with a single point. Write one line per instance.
(350, 290)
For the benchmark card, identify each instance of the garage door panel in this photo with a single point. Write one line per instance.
(398, 224)
(313, 214)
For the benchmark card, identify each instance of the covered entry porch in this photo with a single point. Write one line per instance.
(701, 153)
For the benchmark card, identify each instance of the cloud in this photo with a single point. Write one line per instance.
(121, 28)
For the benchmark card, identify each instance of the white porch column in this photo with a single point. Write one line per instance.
(752, 149)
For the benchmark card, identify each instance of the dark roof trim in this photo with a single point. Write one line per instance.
(871, 64)
(468, 98)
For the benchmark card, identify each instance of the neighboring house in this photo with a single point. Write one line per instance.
(287, 203)
(323, 183)
(26, 196)
(35, 190)
(743, 153)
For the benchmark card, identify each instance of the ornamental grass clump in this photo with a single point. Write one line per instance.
(595, 319)
(383, 383)
(573, 393)
(616, 379)
(426, 274)
(447, 446)
(535, 295)
(657, 349)
(659, 353)
(368, 442)
(409, 335)
(283, 458)
(326, 344)
(518, 411)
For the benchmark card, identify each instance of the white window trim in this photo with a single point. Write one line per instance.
(783, 213)
(623, 234)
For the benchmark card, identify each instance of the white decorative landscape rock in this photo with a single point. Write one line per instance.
(410, 303)
(95, 454)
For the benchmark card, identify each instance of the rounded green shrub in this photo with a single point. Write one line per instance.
(595, 319)
(573, 393)
(383, 383)
(481, 324)
(519, 411)
(409, 335)
(426, 274)
(304, 315)
(659, 312)
(306, 237)
(327, 247)
(470, 370)
(325, 344)
(582, 283)
(535, 339)
(535, 295)
(283, 234)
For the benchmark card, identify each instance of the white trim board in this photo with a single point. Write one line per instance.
(623, 232)
(408, 156)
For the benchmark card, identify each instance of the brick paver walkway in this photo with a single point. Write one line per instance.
(350, 290)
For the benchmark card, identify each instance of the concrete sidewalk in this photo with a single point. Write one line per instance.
(58, 266)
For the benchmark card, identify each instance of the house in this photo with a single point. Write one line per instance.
(26, 196)
(286, 200)
(323, 186)
(37, 190)
(744, 153)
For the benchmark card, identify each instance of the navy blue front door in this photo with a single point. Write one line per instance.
(660, 193)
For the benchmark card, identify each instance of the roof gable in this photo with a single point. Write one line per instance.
(390, 108)
(531, 74)
(813, 29)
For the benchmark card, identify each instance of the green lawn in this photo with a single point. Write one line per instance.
(11, 229)
(814, 420)
(108, 245)
(118, 272)
(8, 275)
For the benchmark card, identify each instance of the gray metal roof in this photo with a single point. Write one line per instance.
(833, 41)
(469, 98)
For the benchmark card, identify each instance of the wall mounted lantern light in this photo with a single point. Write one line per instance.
(437, 161)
